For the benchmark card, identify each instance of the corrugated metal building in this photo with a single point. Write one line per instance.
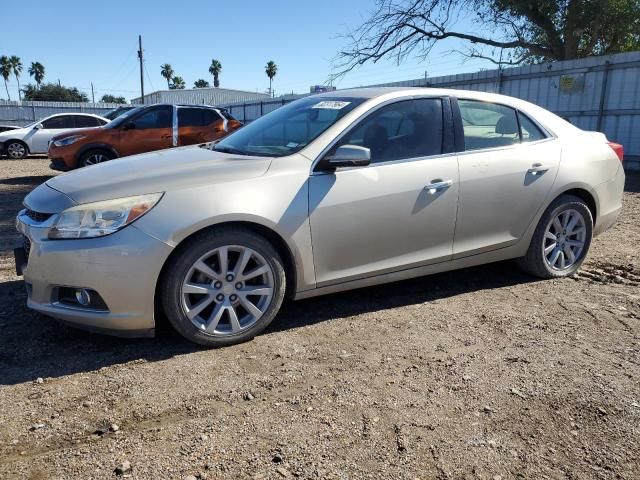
(199, 96)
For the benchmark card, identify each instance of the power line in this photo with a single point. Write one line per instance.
(148, 76)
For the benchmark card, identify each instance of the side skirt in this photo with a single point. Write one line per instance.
(508, 253)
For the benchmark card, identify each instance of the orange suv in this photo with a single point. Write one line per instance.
(140, 130)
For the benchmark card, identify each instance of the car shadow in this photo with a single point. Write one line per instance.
(29, 180)
(399, 294)
(632, 182)
(11, 203)
(33, 345)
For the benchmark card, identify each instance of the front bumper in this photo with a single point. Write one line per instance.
(62, 158)
(2, 152)
(123, 268)
(59, 165)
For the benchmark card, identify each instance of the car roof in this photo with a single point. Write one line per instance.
(374, 92)
(202, 105)
(74, 114)
(551, 121)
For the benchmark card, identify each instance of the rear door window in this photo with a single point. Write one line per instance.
(82, 121)
(530, 131)
(60, 122)
(196, 117)
(488, 125)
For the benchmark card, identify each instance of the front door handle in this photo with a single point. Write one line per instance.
(437, 186)
(537, 168)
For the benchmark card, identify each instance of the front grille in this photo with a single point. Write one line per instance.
(37, 216)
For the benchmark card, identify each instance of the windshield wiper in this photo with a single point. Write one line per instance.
(235, 151)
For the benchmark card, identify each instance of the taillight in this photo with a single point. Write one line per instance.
(618, 149)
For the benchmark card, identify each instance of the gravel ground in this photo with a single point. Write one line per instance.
(480, 373)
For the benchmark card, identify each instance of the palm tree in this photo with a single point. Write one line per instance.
(16, 67)
(201, 83)
(5, 70)
(177, 83)
(167, 72)
(215, 69)
(36, 70)
(271, 69)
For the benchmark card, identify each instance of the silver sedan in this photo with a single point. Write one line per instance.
(328, 193)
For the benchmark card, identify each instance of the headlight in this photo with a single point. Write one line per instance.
(102, 218)
(63, 142)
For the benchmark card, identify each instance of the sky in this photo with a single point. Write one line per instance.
(85, 42)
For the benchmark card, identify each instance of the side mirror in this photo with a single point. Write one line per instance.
(350, 156)
(38, 126)
(129, 126)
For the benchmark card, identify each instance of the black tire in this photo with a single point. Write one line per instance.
(19, 149)
(534, 262)
(193, 249)
(94, 156)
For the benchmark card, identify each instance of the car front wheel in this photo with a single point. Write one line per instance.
(16, 150)
(93, 157)
(561, 239)
(223, 287)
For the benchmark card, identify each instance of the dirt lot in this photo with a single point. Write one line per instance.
(481, 373)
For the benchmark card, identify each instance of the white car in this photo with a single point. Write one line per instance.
(34, 138)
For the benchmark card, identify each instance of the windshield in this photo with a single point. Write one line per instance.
(122, 118)
(116, 112)
(289, 128)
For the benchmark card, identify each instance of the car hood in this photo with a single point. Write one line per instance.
(159, 171)
(16, 132)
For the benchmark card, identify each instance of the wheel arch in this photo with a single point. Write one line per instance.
(588, 197)
(18, 140)
(95, 146)
(278, 242)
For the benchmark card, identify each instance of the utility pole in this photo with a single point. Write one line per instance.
(93, 97)
(141, 69)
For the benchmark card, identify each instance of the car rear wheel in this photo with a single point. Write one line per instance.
(223, 287)
(561, 240)
(93, 157)
(16, 150)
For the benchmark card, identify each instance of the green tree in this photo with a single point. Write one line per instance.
(271, 69)
(167, 72)
(200, 83)
(502, 31)
(177, 83)
(214, 69)
(36, 70)
(106, 98)
(16, 67)
(5, 70)
(52, 92)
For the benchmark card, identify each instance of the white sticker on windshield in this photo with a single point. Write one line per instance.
(292, 145)
(331, 105)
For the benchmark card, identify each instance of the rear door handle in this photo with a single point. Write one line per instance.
(537, 168)
(437, 186)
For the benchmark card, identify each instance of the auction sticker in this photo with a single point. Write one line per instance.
(331, 105)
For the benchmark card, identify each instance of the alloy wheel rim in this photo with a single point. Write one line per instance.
(16, 150)
(227, 290)
(564, 240)
(95, 158)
